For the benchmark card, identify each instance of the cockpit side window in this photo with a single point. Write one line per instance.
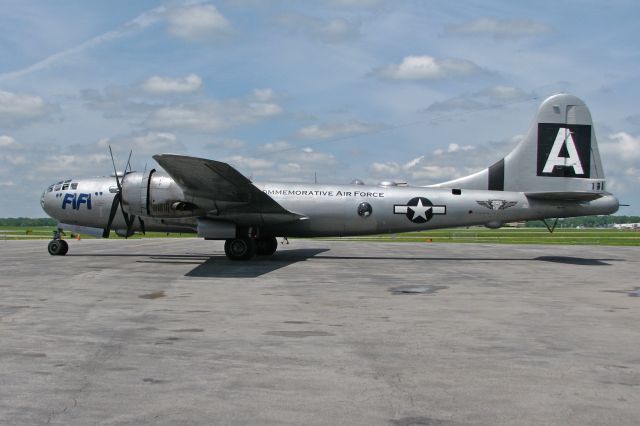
(74, 185)
(49, 189)
(65, 186)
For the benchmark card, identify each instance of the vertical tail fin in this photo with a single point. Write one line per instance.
(558, 155)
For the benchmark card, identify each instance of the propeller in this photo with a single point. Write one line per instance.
(129, 220)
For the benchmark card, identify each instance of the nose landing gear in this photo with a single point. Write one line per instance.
(58, 246)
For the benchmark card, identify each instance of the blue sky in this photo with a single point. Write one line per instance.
(418, 91)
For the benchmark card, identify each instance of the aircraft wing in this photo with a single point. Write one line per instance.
(215, 180)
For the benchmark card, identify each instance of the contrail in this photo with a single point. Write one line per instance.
(134, 26)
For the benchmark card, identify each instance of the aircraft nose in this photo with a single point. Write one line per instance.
(46, 200)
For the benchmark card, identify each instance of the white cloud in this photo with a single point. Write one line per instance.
(166, 85)
(264, 95)
(427, 68)
(198, 22)
(488, 98)
(276, 146)
(212, 116)
(16, 109)
(6, 141)
(333, 130)
(326, 30)
(453, 147)
(499, 28)
(250, 163)
(622, 147)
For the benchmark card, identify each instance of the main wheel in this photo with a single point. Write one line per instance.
(240, 248)
(58, 247)
(266, 246)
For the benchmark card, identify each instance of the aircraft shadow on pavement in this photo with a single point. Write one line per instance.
(555, 259)
(221, 267)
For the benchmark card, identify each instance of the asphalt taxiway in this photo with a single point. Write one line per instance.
(171, 332)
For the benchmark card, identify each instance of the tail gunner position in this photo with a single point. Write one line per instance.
(554, 172)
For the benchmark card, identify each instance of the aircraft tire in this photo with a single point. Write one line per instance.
(240, 248)
(58, 247)
(266, 246)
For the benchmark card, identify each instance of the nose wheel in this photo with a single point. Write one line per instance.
(58, 246)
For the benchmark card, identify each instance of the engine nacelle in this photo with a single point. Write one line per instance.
(156, 195)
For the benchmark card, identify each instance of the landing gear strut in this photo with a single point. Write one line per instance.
(58, 246)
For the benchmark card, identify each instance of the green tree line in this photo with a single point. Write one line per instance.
(27, 221)
(588, 221)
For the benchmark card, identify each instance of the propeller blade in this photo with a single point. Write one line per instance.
(112, 214)
(144, 231)
(130, 226)
(128, 163)
(115, 171)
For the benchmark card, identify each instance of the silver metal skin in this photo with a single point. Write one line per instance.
(554, 172)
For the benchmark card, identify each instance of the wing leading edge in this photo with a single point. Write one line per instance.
(221, 183)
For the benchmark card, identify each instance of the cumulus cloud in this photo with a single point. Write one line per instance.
(212, 116)
(499, 28)
(142, 144)
(116, 102)
(198, 22)
(6, 141)
(167, 85)
(489, 98)
(620, 154)
(444, 164)
(622, 147)
(334, 130)
(17, 109)
(453, 147)
(427, 68)
(326, 30)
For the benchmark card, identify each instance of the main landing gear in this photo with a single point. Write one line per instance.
(245, 248)
(58, 246)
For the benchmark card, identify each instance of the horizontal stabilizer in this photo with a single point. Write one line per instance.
(563, 196)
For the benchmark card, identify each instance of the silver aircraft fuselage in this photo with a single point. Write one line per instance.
(333, 210)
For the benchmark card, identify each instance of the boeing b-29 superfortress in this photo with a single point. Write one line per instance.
(554, 172)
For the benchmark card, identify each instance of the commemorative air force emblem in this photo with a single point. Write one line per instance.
(419, 210)
(497, 204)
